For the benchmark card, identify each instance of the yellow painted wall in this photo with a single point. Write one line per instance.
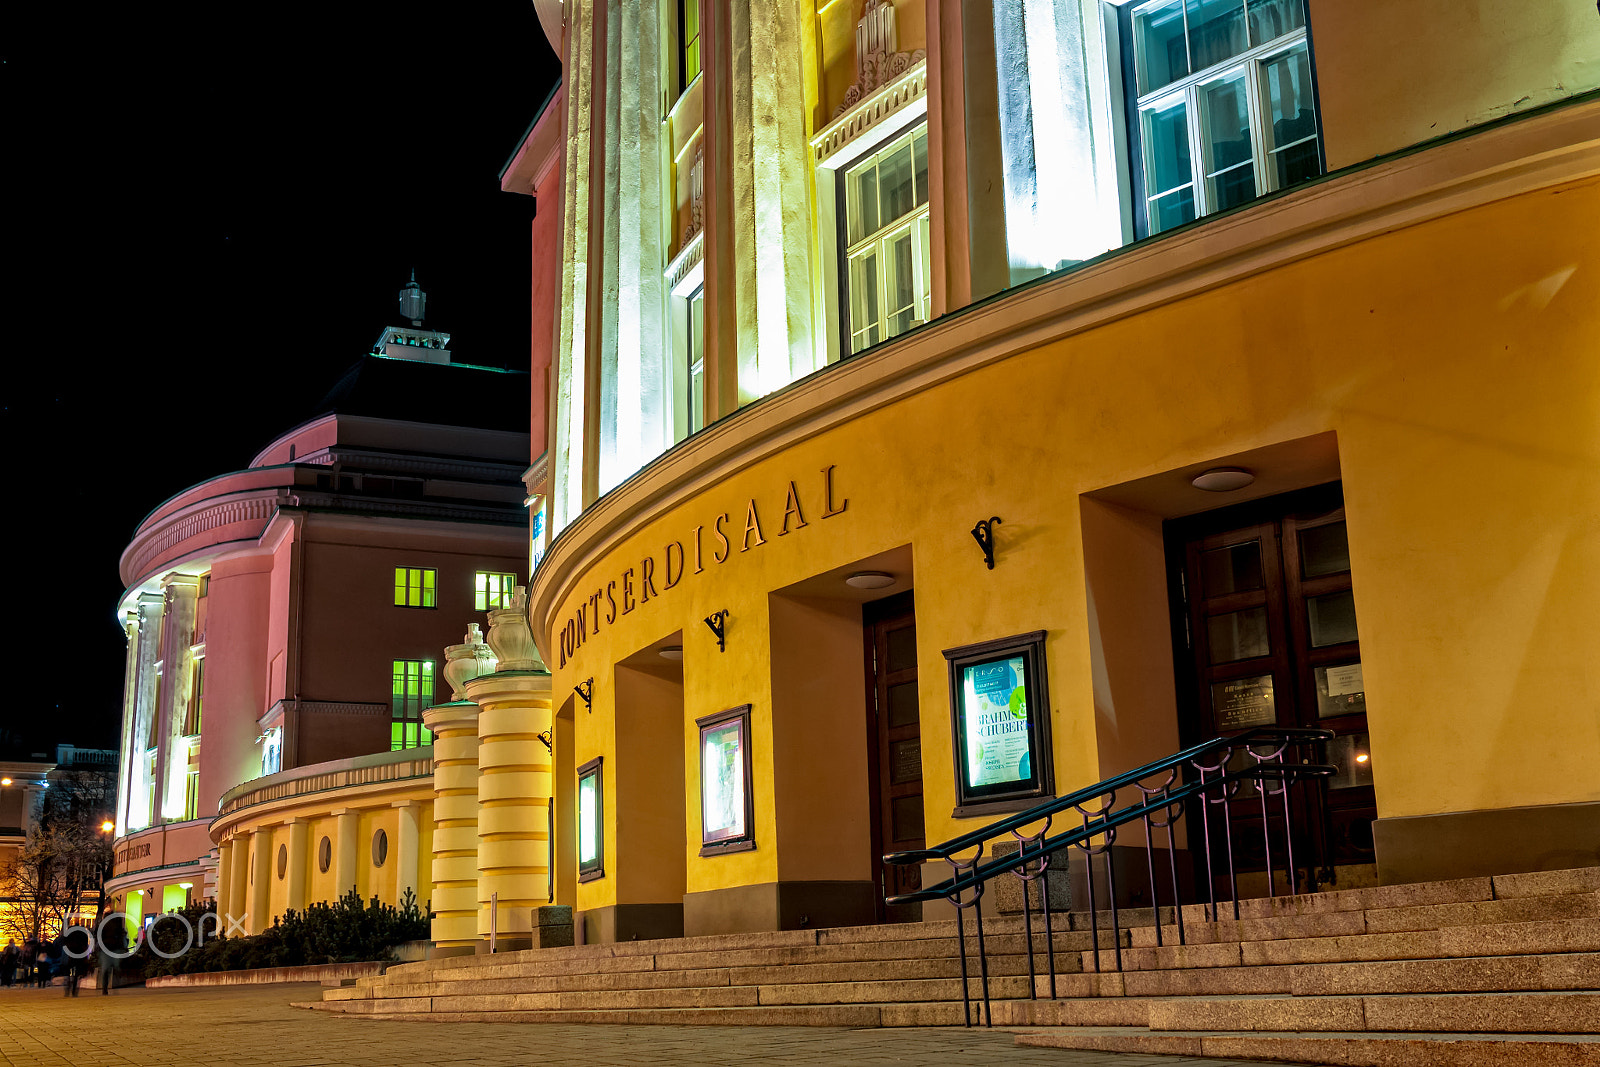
(1392, 75)
(1456, 363)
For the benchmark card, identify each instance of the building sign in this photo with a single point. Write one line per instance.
(1243, 702)
(591, 822)
(1000, 709)
(726, 808)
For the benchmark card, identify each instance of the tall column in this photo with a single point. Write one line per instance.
(346, 850)
(514, 783)
(130, 695)
(455, 825)
(260, 880)
(172, 759)
(238, 903)
(771, 201)
(296, 874)
(224, 878)
(148, 654)
(405, 852)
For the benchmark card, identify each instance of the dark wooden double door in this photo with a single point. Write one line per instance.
(1265, 613)
(894, 748)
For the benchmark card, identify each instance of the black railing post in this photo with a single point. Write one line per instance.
(983, 956)
(1049, 934)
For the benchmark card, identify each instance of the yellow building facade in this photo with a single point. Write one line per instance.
(1246, 413)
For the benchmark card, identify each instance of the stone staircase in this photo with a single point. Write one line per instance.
(1501, 971)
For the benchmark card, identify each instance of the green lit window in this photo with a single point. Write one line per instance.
(191, 794)
(197, 683)
(414, 587)
(491, 591)
(688, 42)
(413, 691)
(591, 822)
(886, 234)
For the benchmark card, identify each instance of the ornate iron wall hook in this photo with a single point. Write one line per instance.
(544, 739)
(585, 689)
(718, 621)
(983, 533)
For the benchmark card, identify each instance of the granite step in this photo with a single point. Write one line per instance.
(1519, 1013)
(1431, 1049)
(1495, 939)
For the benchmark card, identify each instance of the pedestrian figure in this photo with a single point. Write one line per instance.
(8, 963)
(113, 939)
(42, 965)
(30, 949)
(75, 946)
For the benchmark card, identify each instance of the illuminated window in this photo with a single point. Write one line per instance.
(491, 591)
(414, 587)
(413, 691)
(591, 822)
(696, 351)
(688, 42)
(272, 751)
(886, 235)
(191, 794)
(1225, 105)
(191, 722)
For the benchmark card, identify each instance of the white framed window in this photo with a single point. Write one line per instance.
(491, 591)
(695, 352)
(1225, 104)
(887, 272)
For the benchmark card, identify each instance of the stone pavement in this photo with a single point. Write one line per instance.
(253, 1026)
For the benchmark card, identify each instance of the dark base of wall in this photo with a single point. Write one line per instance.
(1468, 844)
(778, 906)
(631, 922)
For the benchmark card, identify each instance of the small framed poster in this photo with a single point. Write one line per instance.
(1000, 714)
(591, 821)
(727, 811)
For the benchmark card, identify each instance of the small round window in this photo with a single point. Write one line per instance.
(380, 848)
(324, 855)
(283, 861)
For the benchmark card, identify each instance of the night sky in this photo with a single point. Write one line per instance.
(209, 210)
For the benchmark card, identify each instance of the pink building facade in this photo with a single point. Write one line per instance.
(295, 612)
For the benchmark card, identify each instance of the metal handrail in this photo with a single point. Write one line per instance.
(1159, 807)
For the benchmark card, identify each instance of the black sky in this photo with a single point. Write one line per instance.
(208, 212)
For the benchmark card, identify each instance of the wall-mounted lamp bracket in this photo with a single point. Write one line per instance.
(718, 621)
(585, 689)
(545, 739)
(983, 533)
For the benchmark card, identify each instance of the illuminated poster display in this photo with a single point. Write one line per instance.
(726, 809)
(591, 823)
(994, 701)
(1001, 716)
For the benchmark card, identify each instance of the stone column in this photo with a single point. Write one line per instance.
(455, 825)
(224, 878)
(172, 760)
(298, 829)
(261, 880)
(144, 711)
(238, 903)
(514, 782)
(346, 850)
(130, 695)
(405, 852)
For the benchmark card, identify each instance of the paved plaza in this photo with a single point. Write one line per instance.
(253, 1026)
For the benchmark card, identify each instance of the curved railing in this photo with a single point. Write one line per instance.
(1198, 778)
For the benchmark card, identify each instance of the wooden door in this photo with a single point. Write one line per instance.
(894, 741)
(1269, 638)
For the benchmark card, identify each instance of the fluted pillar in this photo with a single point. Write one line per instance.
(297, 863)
(514, 783)
(238, 902)
(346, 851)
(224, 878)
(455, 825)
(261, 880)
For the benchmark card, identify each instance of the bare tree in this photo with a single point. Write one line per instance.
(66, 858)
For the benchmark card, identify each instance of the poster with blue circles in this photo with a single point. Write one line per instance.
(995, 707)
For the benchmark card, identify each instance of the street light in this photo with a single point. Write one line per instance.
(107, 826)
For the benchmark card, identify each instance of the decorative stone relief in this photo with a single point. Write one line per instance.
(877, 60)
(510, 637)
(697, 193)
(466, 661)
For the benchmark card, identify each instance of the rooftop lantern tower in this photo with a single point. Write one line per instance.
(413, 342)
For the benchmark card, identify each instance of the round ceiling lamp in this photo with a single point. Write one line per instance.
(672, 652)
(869, 580)
(1222, 479)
